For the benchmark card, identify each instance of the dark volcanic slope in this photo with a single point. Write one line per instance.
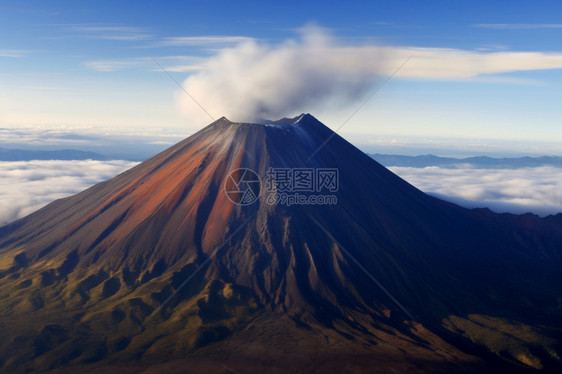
(156, 269)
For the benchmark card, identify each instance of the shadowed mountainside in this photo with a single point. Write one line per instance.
(157, 270)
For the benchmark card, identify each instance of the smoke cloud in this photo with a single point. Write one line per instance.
(258, 79)
(255, 80)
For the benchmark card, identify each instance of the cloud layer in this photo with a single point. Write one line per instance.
(28, 186)
(537, 190)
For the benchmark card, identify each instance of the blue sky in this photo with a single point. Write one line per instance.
(482, 71)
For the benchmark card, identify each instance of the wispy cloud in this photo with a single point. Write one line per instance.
(454, 64)
(396, 25)
(492, 47)
(117, 64)
(325, 53)
(184, 68)
(130, 33)
(187, 41)
(172, 63)
(12, 53)
(518, 26)
(109, 32)
(28, 186)
(537, 190)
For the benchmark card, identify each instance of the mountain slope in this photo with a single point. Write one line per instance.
(158, 264)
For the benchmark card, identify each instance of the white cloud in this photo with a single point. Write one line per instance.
(188, 41)
(257, 79)
(171, 63)
(116, 65)
(109, 32)
(537, 190)
(442, 63)
(28, 186)
(518, 26)
(12, 53)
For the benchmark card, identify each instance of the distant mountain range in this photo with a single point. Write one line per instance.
(64, 154)
(482, 162)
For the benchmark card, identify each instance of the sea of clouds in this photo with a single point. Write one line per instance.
(537, 190)
(26, 186)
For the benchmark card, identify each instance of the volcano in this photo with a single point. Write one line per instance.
(276, 247)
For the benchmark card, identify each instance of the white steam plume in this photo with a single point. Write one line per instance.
(256, 80)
